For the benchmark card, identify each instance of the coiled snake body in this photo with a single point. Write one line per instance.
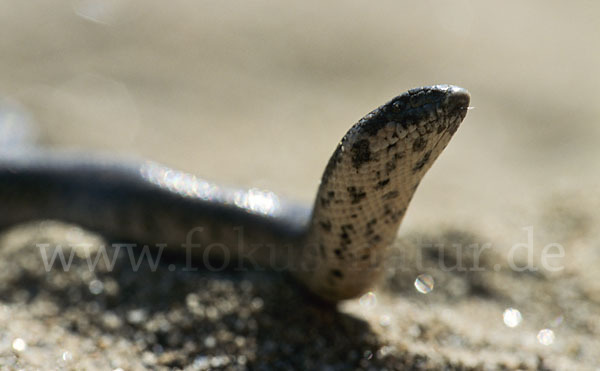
(336, 249)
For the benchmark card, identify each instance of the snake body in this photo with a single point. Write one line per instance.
(336, 249)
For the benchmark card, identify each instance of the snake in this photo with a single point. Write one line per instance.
(335, 249)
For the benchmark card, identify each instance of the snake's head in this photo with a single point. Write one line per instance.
(420, 120)
(431, 108)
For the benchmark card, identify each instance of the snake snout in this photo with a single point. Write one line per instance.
(458, 99)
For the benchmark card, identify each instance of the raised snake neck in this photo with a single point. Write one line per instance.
(336, 249)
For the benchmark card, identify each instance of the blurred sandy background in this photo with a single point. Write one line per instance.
(258, 93)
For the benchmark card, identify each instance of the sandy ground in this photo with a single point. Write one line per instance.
(257, 94)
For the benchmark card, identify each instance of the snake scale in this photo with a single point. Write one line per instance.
(336, 249)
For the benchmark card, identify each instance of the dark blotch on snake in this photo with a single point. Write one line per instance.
(356, 195)
(345, 238)
(337, 273)
(326, 225)
(392, 146)
(419, 144)
(347, 227)
(369, 227)
(360, 153)
(398, 215)
(390, 166)
(344, 235)
(375, 239)
(391, 195)
(382, 183)
(422, 162)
